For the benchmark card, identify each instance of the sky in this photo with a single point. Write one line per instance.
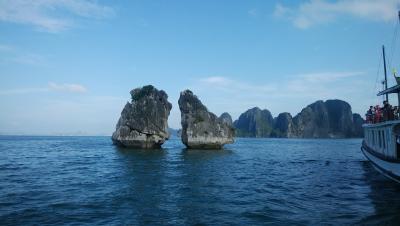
(67, 66)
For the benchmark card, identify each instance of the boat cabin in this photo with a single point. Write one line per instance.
(383, 138)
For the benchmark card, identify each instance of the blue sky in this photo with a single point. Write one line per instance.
(67, 66)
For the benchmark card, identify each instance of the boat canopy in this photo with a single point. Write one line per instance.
(393, 89)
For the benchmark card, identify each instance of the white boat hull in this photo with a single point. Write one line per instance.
(389, 168)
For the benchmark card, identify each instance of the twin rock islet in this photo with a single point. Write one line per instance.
(144, 122)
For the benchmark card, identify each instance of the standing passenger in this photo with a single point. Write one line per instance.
(369, 115)
(378, 116)
(385, 111)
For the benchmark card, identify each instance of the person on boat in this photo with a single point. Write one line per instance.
(373, 115)
(385, 111)
(395, 112)
(390, 112)
(369, 116)
(377, 115)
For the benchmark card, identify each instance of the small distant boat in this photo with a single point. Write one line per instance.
(381, 144)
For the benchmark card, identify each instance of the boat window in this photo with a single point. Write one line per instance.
(373, 138)
(379, 139)
(383, 139)
(368, 137)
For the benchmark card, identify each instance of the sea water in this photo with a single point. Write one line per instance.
(87, 180)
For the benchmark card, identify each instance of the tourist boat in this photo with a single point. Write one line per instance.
(381, 144)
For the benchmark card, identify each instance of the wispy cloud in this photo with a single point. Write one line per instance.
(290, 93)
(51, 87)
(51, 15)
(323, 84)
(253, 12)
(73, 88)
(314, 12)
(216, 80)
(220, 82)
(329, 76)
(29, 59)
(12, 54)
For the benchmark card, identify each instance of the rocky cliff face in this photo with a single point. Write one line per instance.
(329, 119)
(144, 120)
(284, 126)
(357, 125)
(200, 128)
(254, 123)
(226, 117)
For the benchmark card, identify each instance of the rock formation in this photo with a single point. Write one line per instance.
(284, 126)
(329, 119)
(144, 120)
(226, 117)
(358, 121)
(254, 123)
(200, 128)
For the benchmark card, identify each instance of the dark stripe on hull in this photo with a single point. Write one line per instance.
(385, 172)
(379, 155)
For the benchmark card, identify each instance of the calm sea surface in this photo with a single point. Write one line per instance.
(87, 180)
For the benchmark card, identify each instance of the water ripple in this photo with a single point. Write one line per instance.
(87, 180)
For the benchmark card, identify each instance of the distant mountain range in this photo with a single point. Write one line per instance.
(329, 119)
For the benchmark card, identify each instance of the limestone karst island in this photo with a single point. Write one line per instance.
(144, 122)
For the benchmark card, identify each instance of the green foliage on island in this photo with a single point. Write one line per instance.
(144, 91)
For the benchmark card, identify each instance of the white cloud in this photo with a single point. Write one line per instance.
(51, 87)
(12, 54)
(227, 83)
(315, 12)
(29, 59)
(281, 10)
(253, 12)
(41, 13)
(287, 94)
(73, 88)
(216, 80)
(329, 76)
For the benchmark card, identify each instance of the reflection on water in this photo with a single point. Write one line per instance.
(171, 187)
(384, 195)
(143, 172)
(200, 155)
(204, 177)
(135, 151)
